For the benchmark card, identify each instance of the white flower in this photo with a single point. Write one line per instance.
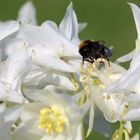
(54, 116)
(95, 78)
(49, 42)
(54, 51)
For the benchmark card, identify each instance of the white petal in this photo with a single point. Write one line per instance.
(11, 114)
(5, 130)
(78, 132)
(16, 66)
(8, 28)
(133, 98)
(69, 25)
(126, 83)
(126, 57)
(48, 37)
(76, 64)
(7, 119)
(81, 26)
(128, 126)
(27, 13)
(8, 94)
(132, 115)
(2, 108)
(135, 63)
(52, 24)
(39, 79)
(109, 105)
(63, 45)
(91, 119)
(57, 137)
(27, 131)
(136, 14)
(48, 61)
(31, 33)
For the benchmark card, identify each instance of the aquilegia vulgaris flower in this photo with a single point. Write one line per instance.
(47, 94)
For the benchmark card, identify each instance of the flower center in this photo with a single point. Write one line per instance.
(52, 120)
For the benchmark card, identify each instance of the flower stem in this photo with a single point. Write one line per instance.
(83, 132)
(121, 131)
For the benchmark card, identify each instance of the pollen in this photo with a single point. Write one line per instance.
(52, 120)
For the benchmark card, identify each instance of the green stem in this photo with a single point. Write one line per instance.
(83, 132)
(121, 130)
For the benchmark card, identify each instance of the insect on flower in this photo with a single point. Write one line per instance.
(92, 50)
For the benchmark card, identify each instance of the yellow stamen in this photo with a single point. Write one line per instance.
(52, 120)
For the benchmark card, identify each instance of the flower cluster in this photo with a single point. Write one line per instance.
(45, 91)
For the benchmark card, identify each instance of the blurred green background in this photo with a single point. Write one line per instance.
(108, 20)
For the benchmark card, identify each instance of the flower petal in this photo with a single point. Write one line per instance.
(91, 119)
(136, 14)
(39, 79)
(8, 94)
(81, 26)
(69, 25)
(5, 130)
(133, 114)
(16, 66)
(27, 13)
(8, 28)
(133, 98)
(27, 131)
(7, 119)
(11, 114)
(46, 36)
(48, 61)
(126, 57)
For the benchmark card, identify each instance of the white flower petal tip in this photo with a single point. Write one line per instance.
(136, 14)
(126, 57)
(81, 26)
(69, 25)
(27, 13)
(91, 120)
